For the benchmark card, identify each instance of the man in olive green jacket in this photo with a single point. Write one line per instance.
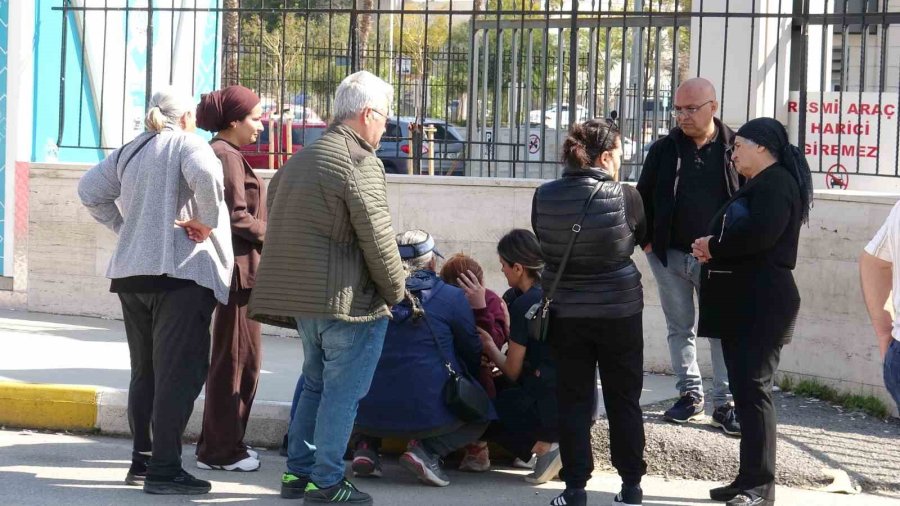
(332, 268)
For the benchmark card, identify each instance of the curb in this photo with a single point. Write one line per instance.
(69, 407)
(105, 410)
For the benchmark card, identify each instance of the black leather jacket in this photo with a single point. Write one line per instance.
(600, 280)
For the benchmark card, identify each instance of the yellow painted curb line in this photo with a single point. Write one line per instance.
(48, 406)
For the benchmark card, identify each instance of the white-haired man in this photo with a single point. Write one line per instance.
(331, 269)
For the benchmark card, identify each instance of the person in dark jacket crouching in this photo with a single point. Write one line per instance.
(406, 398)
(748, 297)
(595, 314)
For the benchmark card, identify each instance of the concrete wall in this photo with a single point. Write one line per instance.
(68, 254)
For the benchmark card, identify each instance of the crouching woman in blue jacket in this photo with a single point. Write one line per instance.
(406, 399)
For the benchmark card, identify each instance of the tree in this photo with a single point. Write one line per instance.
(230, 31)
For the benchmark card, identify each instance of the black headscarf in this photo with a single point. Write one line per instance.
(770, 134)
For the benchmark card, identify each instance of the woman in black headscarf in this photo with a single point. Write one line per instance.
(748, 297)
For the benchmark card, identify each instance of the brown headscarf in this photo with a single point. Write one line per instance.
(218, 109)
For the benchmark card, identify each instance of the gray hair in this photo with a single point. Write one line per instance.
(415, 237)
(166, 107)
(359, 91)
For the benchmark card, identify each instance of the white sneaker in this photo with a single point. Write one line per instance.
(252, 453)
(521, 464)
(248, 464)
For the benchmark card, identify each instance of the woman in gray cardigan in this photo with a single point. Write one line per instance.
(163, 195)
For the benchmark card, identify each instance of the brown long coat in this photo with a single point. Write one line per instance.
(245, 196)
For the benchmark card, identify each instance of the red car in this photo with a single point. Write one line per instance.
(302, 133)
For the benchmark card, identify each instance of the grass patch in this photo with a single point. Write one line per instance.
(811, 388)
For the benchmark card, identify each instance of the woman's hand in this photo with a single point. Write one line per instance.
(196, 231)
(700, 249)
(487, 342)
(473, 289)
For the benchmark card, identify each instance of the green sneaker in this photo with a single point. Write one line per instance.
(344, 492)
(293, 486)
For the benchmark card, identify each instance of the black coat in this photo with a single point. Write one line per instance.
(747, 290)
(658, 185)
(600, 279)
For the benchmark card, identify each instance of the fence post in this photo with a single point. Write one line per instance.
(429, 131)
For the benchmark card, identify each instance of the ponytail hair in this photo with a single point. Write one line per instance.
(521, 246)
(587, 141)
(166, 107)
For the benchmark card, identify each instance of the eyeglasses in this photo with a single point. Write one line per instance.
(383, 115)
(689, 111)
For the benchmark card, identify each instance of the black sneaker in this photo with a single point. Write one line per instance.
(688, 407)
(725, 418)
(744, 499)
(293, 486)
(570, 497)
(726, 493)
(137, 473)
(630, 496)
(183, 483)
(342, 493)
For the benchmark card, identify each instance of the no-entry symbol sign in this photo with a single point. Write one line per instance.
(534, 143)
(837, 177)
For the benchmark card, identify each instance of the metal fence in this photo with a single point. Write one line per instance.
(512, 75)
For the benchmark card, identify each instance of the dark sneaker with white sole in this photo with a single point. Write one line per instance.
(546, 467)
(137, 473)
(425, 465)
(293, 486)
(570, 497)
(725, 418)
(342, 493)
(180, 484)
(629, 496)
(726, 493)
(688, 407)
(366, 462)
(744, 499)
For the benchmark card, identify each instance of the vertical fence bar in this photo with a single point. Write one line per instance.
(149, 66)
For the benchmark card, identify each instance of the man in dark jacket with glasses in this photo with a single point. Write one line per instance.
(686, 178)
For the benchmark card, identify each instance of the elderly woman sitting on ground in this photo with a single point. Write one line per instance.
(406, 399)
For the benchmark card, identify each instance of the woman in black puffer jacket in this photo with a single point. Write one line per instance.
(596, 310)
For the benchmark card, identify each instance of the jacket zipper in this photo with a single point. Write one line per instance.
(710, 272)
(722, 232)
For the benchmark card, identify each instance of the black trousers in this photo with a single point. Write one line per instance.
(616, 346)
(751, 367)
(168, 337)
(524, 417)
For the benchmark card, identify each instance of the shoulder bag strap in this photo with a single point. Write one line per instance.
(136, 151)
(576, 228)
(422, 314)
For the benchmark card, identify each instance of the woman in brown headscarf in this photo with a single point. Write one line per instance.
(233, 113)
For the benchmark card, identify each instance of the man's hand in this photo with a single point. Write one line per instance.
(196, 231)
(700, 249)
(473, 289)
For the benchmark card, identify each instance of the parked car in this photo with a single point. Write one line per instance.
(302, 133)
(549, 116)
(394, 150)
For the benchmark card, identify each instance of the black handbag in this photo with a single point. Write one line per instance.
(463, 396)
(538, 315)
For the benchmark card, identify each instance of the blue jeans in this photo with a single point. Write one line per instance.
(678, 281)
(892, 371)
(339, 360)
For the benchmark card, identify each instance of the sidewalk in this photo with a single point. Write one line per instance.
(74, 352)
(40, 469)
